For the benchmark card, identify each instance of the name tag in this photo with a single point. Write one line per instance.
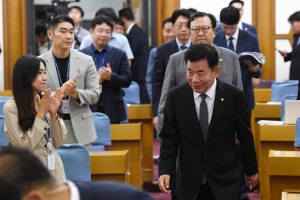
(51, 161)
(65, 106)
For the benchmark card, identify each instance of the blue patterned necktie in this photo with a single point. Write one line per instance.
(203, 118)
(182, 47)
(231, 44)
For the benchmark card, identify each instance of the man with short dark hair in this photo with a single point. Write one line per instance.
(201, 119)
(164, 51)
(76, 13)
(294, 55)
(116, 40)
(24, 177)
(42, 45)
(113, 70)
(168, 35)
(140, 49)
(76, 73)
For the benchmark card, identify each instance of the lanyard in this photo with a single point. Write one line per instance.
(102, 63)
(58, 73)
(49, 136)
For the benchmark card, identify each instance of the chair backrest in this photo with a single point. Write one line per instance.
(102, 125)
(132, 93)
(3, 138)
(286, 97)
(125, 121)
(76, 160)
(3, 100)
(297, 134)
(282, 88)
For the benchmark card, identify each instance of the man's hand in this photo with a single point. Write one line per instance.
(164, 183)
(104, 73)
(283, 53)
(253, 68)
(255, 81)
(155, 122)
(251, 181)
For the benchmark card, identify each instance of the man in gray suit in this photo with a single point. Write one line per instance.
(76, 73)
(202, 26)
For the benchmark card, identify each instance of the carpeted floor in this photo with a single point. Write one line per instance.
(154, 191)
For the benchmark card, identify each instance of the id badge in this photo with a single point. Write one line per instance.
(65, 106)
(51, 161)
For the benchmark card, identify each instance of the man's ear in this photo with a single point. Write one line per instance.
(50, 34)
(217, 71)
(34, 195)
(91, 30)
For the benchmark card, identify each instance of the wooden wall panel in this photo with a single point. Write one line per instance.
(164, 9)
(14, 34)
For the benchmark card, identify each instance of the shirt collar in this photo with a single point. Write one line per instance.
(74, 192)
(113, 35)
(96, 51)
(240, 25)
(129, 27)
(179, 44)
(210, 92)
(235, 35)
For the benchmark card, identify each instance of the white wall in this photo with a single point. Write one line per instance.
(90, 7)
(215, 6)
(1, 44)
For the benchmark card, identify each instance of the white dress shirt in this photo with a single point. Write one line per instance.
(235, 38)
(74, 192)
(210, 99)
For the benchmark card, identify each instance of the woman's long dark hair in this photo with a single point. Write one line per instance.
(25, 72)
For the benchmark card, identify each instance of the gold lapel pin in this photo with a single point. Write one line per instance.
(220, 59)
(222, 99)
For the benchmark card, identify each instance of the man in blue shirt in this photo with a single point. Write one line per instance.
(116, 40)
(113, 70)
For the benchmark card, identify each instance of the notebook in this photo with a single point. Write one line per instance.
(292, 111)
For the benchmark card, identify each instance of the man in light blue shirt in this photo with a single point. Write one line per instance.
(117, 40)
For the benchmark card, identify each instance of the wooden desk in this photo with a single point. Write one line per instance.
(263, 111)
(284, 172)
(279, 137)
(129, 136)
(110, 165)
(143, 113)
(262, 95)
(4, 93)
(290, 195)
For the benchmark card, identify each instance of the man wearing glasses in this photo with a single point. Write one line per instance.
(181, 42)
(240, 41)
(202, 26)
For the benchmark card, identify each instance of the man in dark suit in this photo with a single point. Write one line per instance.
(201, 119)
(164, 51)
(294, 56)
(113, 68)
(239, 41)
(23, 176)
(139, 46)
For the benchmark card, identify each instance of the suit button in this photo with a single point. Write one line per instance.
(45, 128)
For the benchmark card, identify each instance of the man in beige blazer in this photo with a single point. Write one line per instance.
(76, 73)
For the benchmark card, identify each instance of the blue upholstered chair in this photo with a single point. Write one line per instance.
(102, 125)
(3, 100)
(286, 97)
(297, 134)
(76, 160)
(132, 93)
(282, 88)
(3, 138)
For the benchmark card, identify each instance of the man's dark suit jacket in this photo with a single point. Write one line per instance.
(294, 57)
(217, 156)
(111, 95)
(246, 42)
(163, 54)
(107, 190)
(245, 27)
(139, 47)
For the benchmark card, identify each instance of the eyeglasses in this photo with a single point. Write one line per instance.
(180, 26)
(198, 29)
(231, 29)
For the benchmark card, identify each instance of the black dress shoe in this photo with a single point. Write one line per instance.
(244, 196)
